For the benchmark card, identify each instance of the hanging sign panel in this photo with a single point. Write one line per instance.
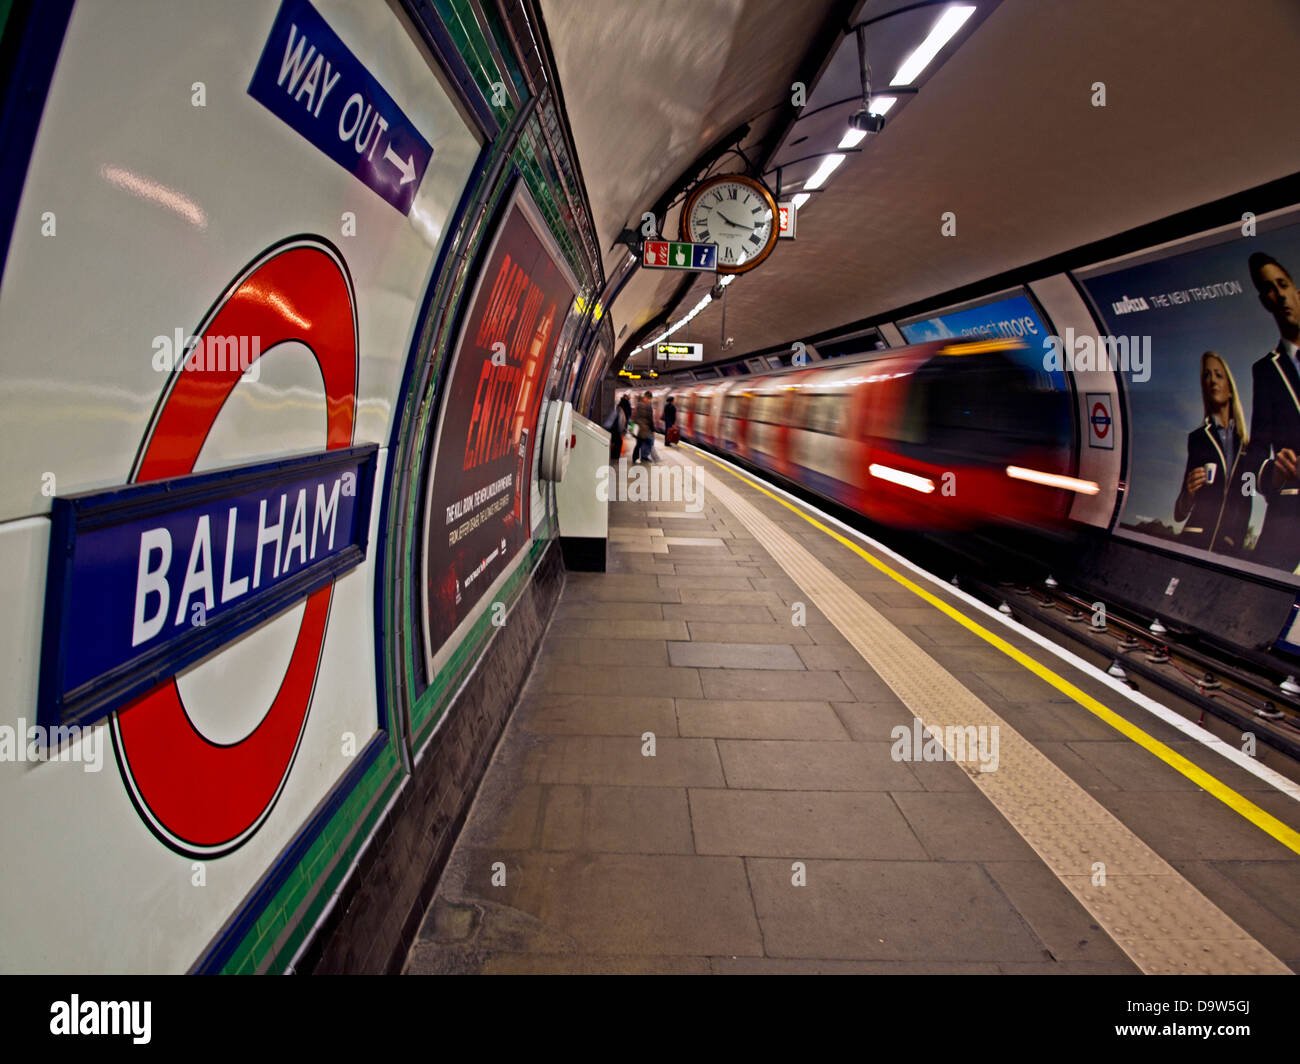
(787, 220)
(679, 255)
(684, 352)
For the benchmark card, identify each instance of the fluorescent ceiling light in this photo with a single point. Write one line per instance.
(824, 171)
(881, 104)
(801, 199)
(944, 30)
(851, 139)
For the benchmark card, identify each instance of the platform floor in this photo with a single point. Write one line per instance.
(780, 827)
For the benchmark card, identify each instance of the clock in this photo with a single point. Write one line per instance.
(738, 214)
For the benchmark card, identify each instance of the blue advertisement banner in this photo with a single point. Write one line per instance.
(1014, 318)
(309, 79)
(147, 579)
(1017, 319)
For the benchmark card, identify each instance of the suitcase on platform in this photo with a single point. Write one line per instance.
(672, 435)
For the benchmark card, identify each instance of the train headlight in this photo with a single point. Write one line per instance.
(1053, 480)
(896, 476)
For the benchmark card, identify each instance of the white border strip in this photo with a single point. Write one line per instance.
(1175, 720)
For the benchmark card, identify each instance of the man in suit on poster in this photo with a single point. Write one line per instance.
(1275, 417)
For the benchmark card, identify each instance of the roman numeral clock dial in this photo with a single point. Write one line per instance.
(736, 213)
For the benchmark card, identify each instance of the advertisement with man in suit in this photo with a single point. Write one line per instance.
(1212, 463)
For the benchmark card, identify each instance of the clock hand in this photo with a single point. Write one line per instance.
(734, 225)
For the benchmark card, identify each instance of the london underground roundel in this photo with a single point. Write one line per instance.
(201, 797)
(1100, 420)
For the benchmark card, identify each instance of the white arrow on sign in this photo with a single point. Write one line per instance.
(681, 257)
(407, 165)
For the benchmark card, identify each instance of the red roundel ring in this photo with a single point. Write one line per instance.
(1100, 421)
(203, 798)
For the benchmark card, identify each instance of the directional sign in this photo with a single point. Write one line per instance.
(307, 78)
(679, 255)
(681, 352)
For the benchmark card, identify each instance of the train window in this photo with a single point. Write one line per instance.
(799, 410)
(825, 414)
(735, 405)
(988, 407)
(766, 409)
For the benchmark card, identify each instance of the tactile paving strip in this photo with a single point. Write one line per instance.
(1164, 924)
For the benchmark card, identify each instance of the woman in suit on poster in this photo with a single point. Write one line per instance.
(1211, 504)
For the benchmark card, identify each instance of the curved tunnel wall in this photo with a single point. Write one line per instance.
(278, 776)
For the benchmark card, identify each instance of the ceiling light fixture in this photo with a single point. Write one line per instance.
(824, 171)
(944, 30)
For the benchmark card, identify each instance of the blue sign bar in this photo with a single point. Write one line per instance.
(147, 579)
(308, 79)
(704, 257)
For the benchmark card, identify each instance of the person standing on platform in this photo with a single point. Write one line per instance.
(617, 425)
(671, 435)
(645, 427)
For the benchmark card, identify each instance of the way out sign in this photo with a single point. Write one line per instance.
(308, 79)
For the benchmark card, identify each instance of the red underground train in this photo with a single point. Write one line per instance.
(940, 436)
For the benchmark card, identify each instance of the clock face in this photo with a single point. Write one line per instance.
(737, 216)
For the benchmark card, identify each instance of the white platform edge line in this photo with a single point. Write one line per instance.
(1175, 720)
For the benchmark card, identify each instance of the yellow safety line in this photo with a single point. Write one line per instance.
(1265, 821)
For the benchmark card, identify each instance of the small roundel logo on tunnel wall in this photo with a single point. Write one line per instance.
(200, 797)
(1101, 420)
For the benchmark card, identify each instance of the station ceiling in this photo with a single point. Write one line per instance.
(1003, 132)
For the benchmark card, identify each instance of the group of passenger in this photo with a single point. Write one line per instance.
(1214, 502)
(642, 424)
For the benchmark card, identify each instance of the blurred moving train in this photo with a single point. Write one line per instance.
(946, 435)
